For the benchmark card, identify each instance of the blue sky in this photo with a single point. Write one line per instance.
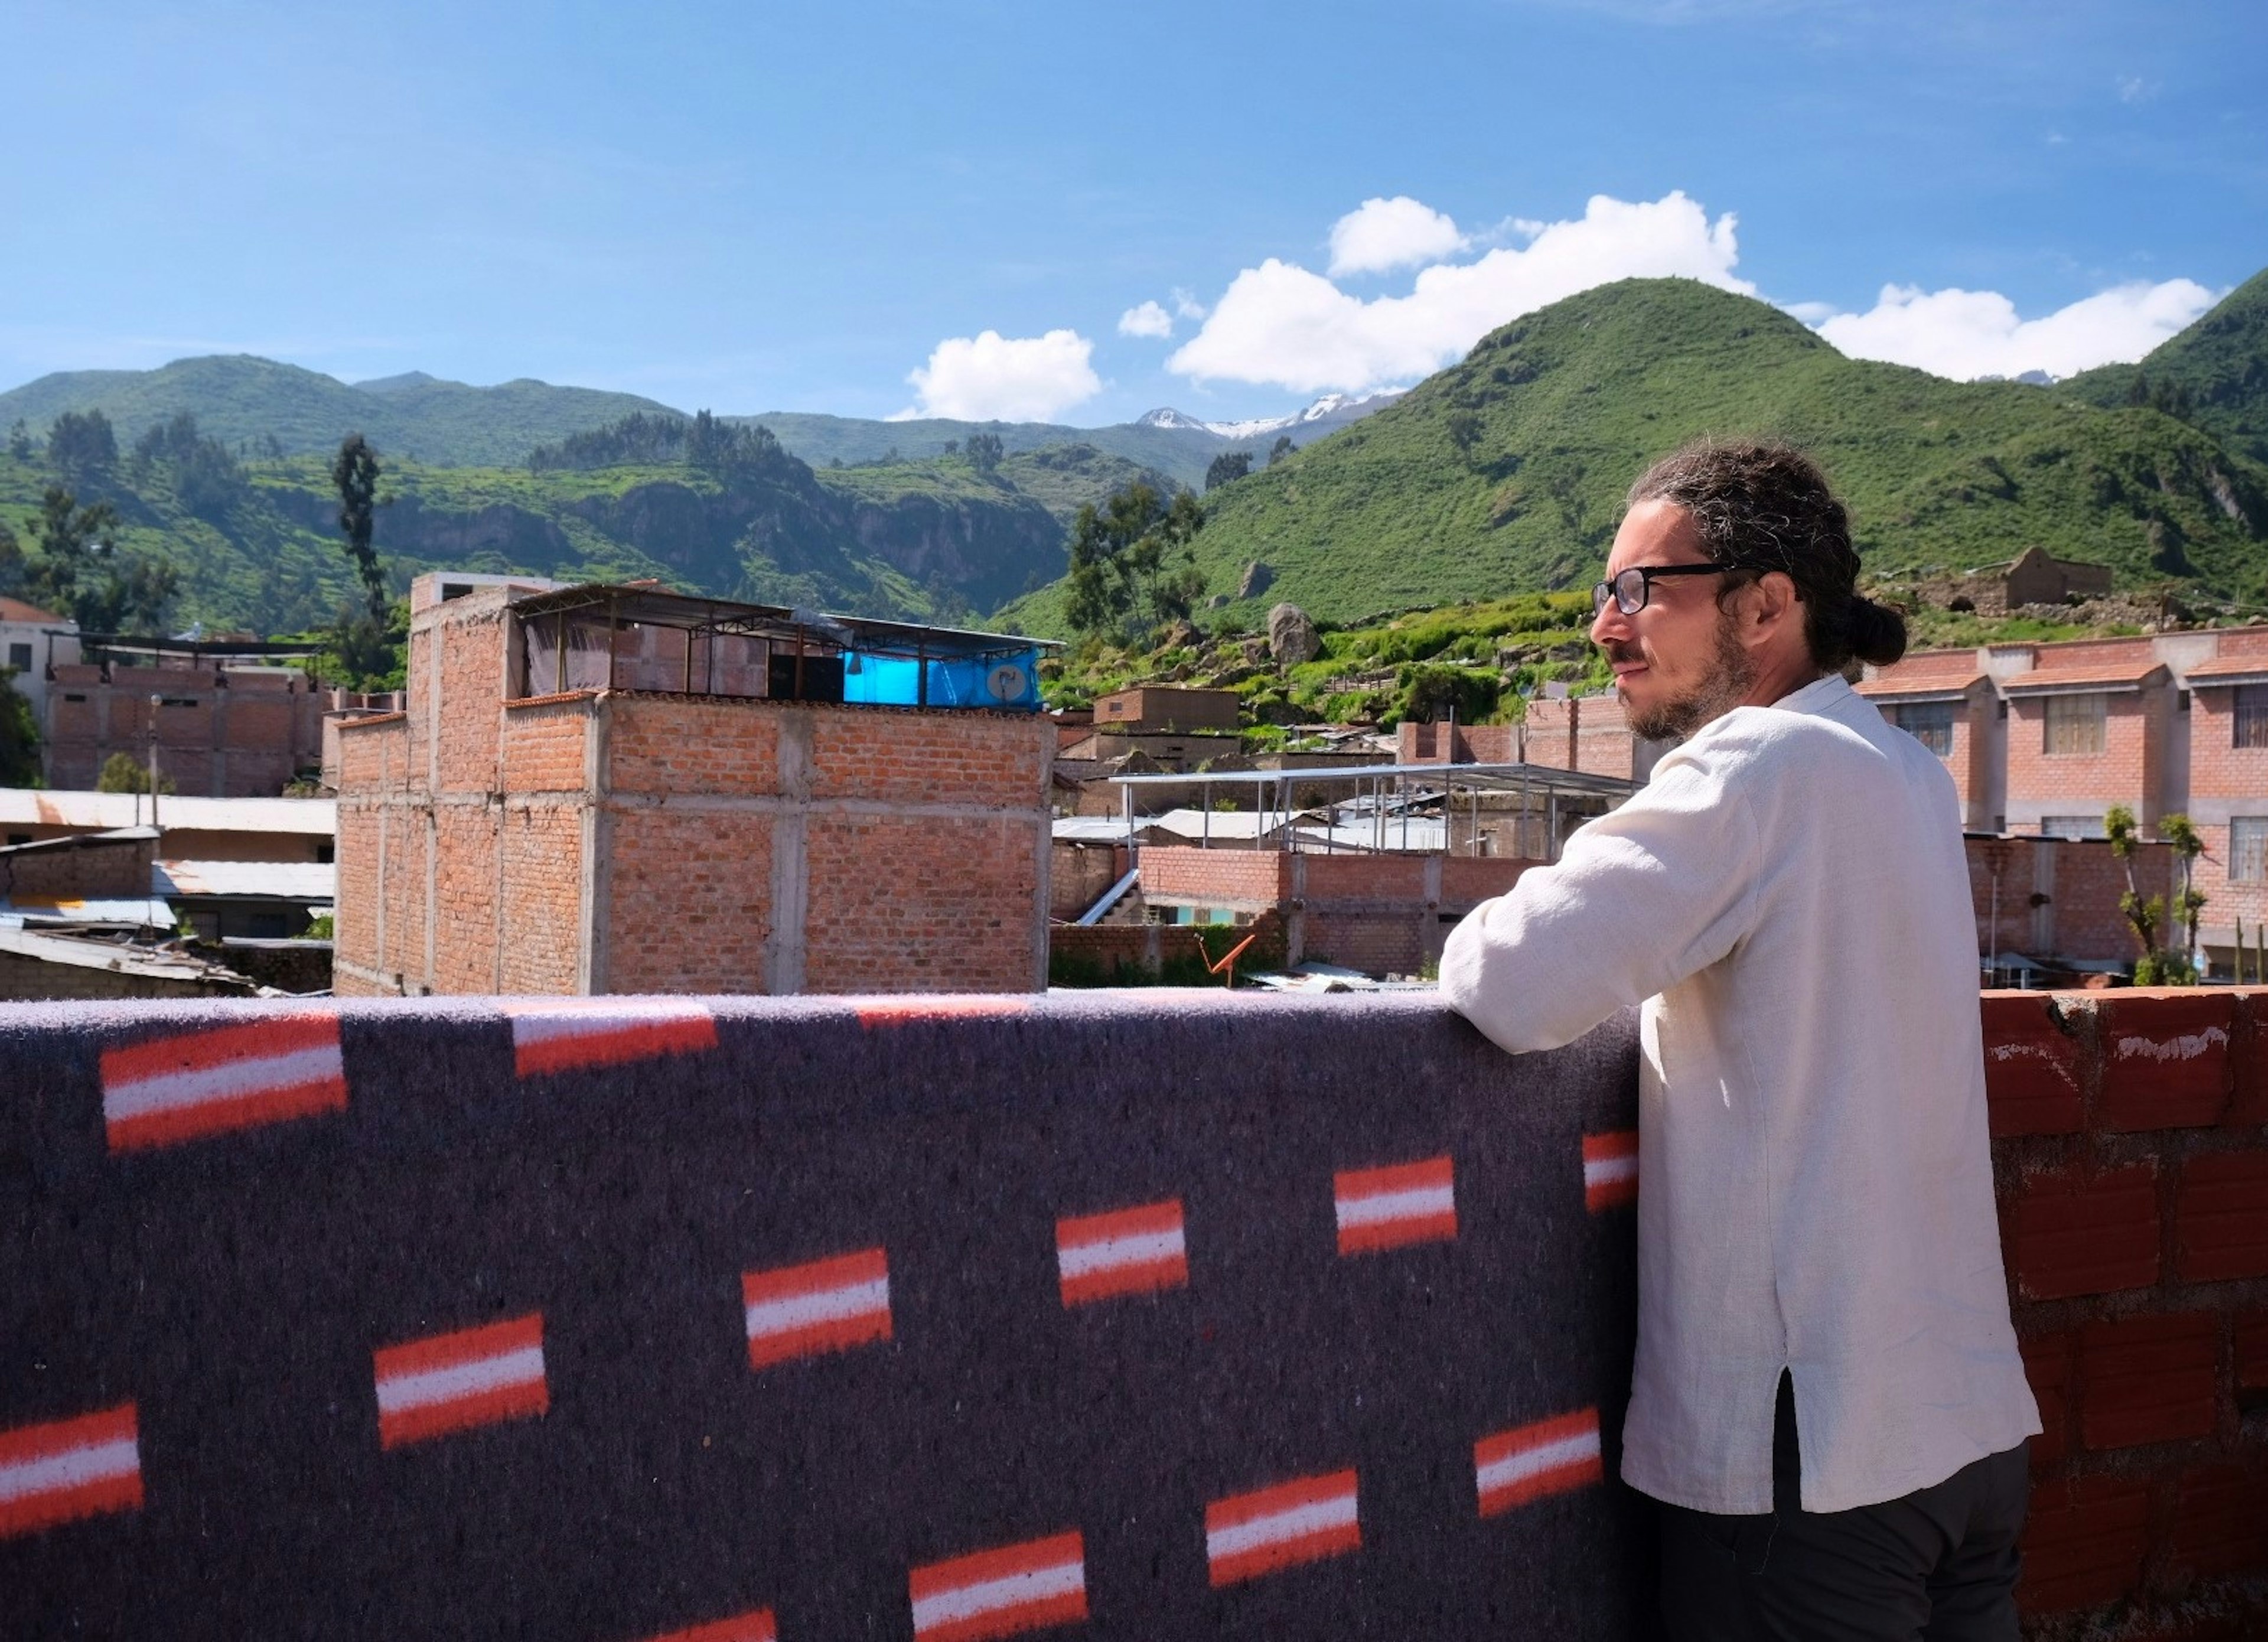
(828, 208)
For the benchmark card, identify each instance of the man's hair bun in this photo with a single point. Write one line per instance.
(1878, 634)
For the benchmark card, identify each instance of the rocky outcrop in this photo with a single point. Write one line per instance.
(1291, 636)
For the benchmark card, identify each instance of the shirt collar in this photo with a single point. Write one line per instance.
(1820, 697)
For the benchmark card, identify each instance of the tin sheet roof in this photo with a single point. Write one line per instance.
(25, 807)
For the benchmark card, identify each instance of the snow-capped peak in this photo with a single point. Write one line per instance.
(1333, 408)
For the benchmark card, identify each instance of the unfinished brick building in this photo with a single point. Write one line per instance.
(614, 790)
(228, 726)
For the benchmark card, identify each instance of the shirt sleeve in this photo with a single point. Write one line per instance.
(1641, 898)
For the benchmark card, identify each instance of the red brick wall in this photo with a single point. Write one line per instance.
(1471, 744)
(2225, 779)
(906, 904)
(95, 870)
(1226, 878)
(2131, 1148)
(2082, 916)
(2128, 771)
(229, 733)
(540, 862)
(1602, 742)
(690, 902)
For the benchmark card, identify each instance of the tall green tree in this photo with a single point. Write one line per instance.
(1226, 467)
(1132, 566)
(984, 450)
(20, 736)
(82, 446)
(80, 573)
(354, 472)
(1279, 450)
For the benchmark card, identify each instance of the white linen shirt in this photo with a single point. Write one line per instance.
(1789, 898)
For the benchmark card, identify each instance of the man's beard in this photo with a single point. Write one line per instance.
(1715, 696)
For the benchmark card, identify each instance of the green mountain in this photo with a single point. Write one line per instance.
(1181, 452)
(247, 402)
(256, 543)
(2217, 371)
(1506, 472)
(242, 399)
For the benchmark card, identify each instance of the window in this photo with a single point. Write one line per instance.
(2075, 725)
(1929, 723)
(2247, 849)
(2252, 715)
(2072, 827)
(19, 657)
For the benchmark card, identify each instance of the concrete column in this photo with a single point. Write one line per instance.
(784, 949)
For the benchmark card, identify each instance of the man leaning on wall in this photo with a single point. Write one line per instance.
(1827, 1398)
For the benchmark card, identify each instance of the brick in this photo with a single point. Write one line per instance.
(2165, 1061)
(2221, 1520)
(2073, 1235)
(2248, 1104)
(2031, 1067)
(2048, 1366)
(2147, 1378)
(2083, 1543)
(2220, 1217)
(2252, 1362)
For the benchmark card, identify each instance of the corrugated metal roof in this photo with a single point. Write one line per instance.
(282, 880)
(25, 807)
(125, 911)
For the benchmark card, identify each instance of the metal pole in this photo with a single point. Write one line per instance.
(154, 702)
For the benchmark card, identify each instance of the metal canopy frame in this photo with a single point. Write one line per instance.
(1433, 782)
(821, 630)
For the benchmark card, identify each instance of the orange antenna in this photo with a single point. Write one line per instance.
(1226, 965)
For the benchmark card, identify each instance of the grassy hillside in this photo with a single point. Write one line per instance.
(930, 538)
(1507, 471)
(2220, 366)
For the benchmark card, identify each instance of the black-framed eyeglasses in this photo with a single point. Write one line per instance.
(1630, 589)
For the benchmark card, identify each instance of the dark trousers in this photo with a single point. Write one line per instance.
(1938, 1565)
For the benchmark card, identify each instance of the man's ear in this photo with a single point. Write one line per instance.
(1769, 603)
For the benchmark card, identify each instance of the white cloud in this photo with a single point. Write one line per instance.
(1281, 325)
(990, 376)
(1149, 320)
(1965, 334)
(1380, 235)
(2134, 89)
(1186, 304)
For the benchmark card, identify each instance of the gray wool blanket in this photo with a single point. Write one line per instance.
(1155, 1315)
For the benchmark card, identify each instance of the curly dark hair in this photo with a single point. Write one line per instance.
(1761, 508)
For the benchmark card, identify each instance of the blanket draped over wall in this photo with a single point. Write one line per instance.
(1166, 1314)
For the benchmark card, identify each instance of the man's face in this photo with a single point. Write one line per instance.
(1679, 662)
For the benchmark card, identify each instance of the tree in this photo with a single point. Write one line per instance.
(1464, 430)
(354, 473)
(1228, 467)
(19, 440)
(20, 736)
(984, 451)
(79, 572)
(2177, 830)
(1132, 563)
(82, 446)
(2147, 915)
(1279, 450)
(207, 476)
(122, 772)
